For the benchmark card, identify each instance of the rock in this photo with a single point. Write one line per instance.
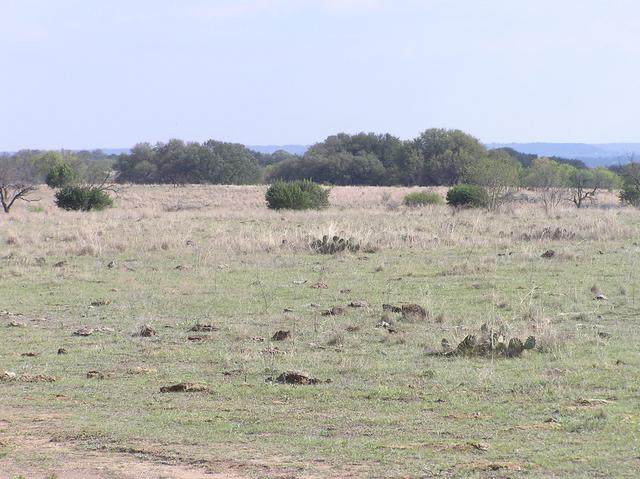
(146, 331)
(548, 254)
(292, 377)
(335, 311)
(85, 331)
(389, 308)
(388, 325)
(7, 376)
(16, 324)
(319, 285)
(197, 339)
(30, 354)
(358, 304)
(413, 312)
(100, 302)
(185, 388)
(281, 335)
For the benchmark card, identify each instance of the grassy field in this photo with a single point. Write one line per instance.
(172, 258)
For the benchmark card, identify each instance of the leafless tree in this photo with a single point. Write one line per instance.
(18, 181)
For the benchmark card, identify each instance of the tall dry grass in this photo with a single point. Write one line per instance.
(220, 220)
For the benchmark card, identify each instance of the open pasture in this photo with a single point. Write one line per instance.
(77, 289)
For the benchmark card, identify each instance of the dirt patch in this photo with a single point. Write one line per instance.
(100, 302)
(581, 402)
(141, 370)
(203, 328)
(185, 388)
(100, 375)
(471, 415)
(197, 339)
(495, 466)
(542, 426)
(297, 378)
(7, 376)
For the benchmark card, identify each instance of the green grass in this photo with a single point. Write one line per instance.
(389, 410)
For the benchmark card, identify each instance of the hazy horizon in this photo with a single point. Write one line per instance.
(273, 72)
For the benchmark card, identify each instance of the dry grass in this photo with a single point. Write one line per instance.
(176, 257)
(219, 220)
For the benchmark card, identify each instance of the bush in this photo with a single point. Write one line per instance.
(423, 198)
(297, 195)
(630, 195)
(472, 196)
(60, 175)
(83, 198)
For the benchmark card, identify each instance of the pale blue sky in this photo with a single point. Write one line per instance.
(110, 73)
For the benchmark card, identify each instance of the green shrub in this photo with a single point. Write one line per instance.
(423, 198)
(472, 196)
(630, 194)
(297, 195)
(60, 175)
(83, 198)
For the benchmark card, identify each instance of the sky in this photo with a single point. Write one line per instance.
(92, 73)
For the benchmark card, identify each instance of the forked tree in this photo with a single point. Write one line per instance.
(18, 181)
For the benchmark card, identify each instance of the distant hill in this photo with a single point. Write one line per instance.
(268, 149)
(596, 154)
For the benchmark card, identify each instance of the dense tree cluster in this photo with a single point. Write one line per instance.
(436, 157)
(178, 162)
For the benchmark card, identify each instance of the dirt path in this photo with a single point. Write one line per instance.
(30, 453)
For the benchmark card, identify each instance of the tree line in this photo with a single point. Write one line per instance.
(436, 157)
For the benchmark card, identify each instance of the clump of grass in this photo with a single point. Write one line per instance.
(423, 198)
